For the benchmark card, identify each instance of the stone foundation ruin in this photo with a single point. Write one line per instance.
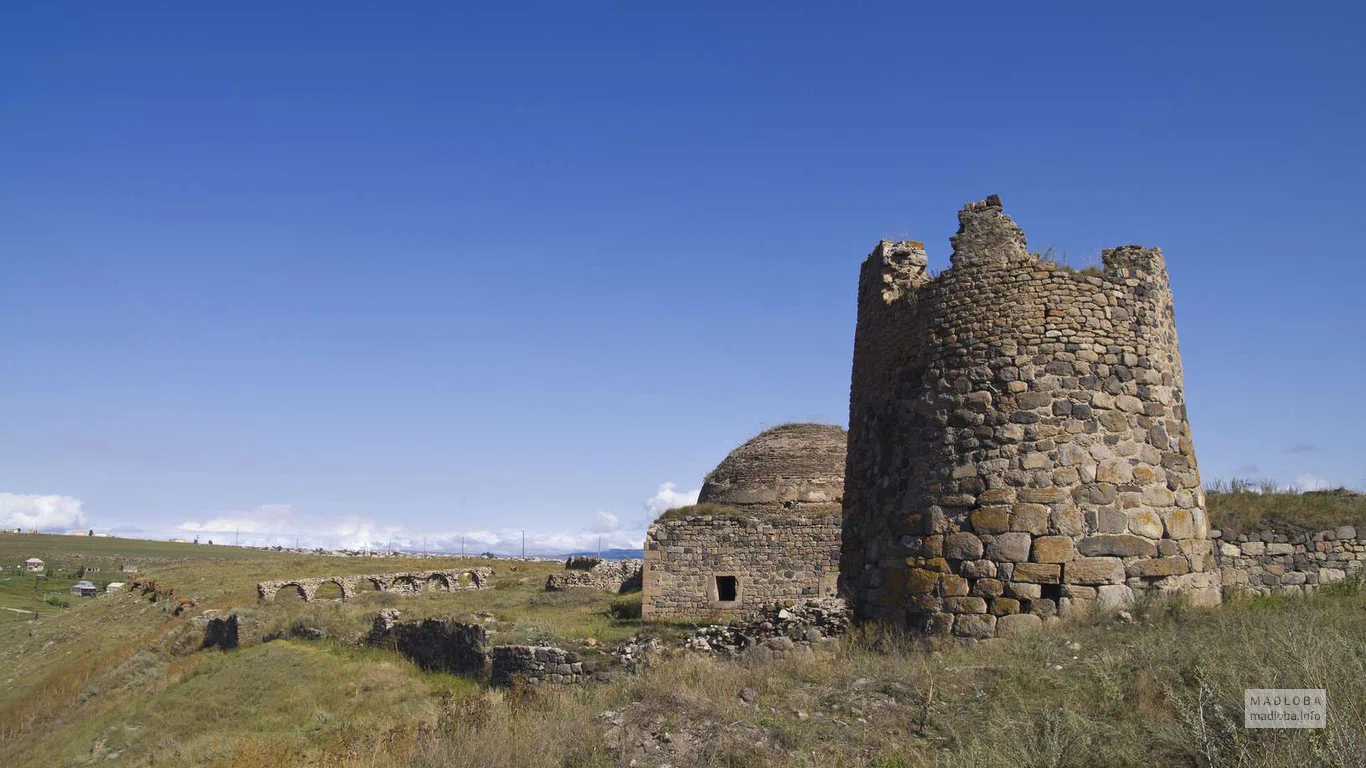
(536, 664)
(766, 529)
(597, 573)
(433, 644)
(403, 583)
(1018, 441)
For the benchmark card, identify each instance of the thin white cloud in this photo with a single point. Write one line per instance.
(668, 497)
(1311, 482)
(282, 524)
(40, 512)
(279, 524)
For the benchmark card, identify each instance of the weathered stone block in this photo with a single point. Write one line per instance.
(979, 626)
(1009, 547)
(962, 546)
(1114, 595)
(965, 605)
(1004, 606)
(1053, 549)
(1180, 524)
(1145, 522)
(1119, 545)
(988, 588)
(1160, 566)
(1029, 518)
(1039, 573)
(1018, 624)
(1094, 570)
(951, 585)
(1069, 521)
(991, 520)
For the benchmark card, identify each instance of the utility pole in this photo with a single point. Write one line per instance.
(462, 546)
(236, 536)
(523, 545)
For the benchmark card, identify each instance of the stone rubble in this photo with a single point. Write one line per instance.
(596, 573)
(778, 630)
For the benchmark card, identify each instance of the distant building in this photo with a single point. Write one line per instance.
(128, 568)
(115, 586)
(84, 589)
(33, 564)
(766, 530)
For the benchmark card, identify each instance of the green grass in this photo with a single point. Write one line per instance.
(119, 674)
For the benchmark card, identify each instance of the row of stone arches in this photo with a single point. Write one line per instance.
(349, 587)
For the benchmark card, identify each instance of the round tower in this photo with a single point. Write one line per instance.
(1018, 440)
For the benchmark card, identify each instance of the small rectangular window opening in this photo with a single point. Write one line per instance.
(726, 589)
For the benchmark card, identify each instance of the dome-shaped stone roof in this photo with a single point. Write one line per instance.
(794, 467)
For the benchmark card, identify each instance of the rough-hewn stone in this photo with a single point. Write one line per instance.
(1009, 382)
(535, 664)
(1273, 562)
(596, 573)
(767, 524)
(403, 583)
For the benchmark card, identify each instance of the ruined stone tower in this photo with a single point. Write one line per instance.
(1018, 440)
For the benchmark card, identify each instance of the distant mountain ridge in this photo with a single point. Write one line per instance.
(610, 554)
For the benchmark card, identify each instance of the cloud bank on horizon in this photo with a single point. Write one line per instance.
(283, 525)
(40, 512)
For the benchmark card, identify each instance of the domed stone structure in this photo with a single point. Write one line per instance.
(796, 467)
(766, 530)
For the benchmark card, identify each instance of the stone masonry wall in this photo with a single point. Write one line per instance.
(534, 664)
(1269, 562)
(404, 583)
(434, 644)
(596, 573)
(1018, 441)
(774, 559)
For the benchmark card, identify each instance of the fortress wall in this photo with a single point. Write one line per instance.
(1018, 440)
(1271, 562)
(785, 558)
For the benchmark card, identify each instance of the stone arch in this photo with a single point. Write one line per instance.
(469, 579)
(436, 582)
(405, 584)
(324, 590)
(303, 590)
(362, 585)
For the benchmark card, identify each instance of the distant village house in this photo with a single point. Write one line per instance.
(84, 589)
(33, 564)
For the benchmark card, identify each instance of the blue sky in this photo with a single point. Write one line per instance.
(346, 272)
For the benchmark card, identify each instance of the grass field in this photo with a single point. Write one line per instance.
(120, 678)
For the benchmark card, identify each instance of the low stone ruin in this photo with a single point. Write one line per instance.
(1275, 562)
(533, 665)
(597, 573)
(403, 583)
(433, 644)
(778, 629)
(220, 633)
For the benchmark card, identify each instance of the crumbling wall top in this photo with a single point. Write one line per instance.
(986, 236)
